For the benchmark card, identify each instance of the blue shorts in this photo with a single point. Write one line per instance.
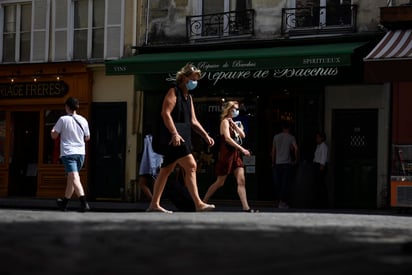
(73, 163)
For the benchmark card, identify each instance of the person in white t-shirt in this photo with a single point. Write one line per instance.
(320, 163)
(73, 130)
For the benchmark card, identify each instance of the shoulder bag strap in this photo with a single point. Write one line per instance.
(78, 123)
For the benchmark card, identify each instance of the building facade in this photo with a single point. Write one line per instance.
(300, 61)
(295, 60)
(388, 64)
(50, 50)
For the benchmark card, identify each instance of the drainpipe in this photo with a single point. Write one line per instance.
(134, 39)
(147, 22)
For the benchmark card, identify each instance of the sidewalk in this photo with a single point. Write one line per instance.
(50, 204)
(140, 206)
(291, 241)
(118, 206)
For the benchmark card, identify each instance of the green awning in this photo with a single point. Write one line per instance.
(310, 56)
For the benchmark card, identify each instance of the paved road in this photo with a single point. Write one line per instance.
(51, 242)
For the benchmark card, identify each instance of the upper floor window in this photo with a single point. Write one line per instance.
(216, 19)
(319, 16)
(24, 32)
(79, 30)
(16, 32)
(324, 12)
(87, 29)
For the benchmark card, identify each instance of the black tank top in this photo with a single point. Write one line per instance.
(182, 112)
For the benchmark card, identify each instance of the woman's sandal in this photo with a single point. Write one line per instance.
(159, 210)
(207, 207)
(250, 210)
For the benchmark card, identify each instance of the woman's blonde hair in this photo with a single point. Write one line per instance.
(187, 70)
(226, 108)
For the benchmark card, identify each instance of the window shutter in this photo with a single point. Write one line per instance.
(114, 29)
(60, 30)
(40, 31)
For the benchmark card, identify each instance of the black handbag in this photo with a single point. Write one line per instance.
(185, 131)
(162, 137)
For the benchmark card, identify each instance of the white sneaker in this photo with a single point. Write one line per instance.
(283, 205)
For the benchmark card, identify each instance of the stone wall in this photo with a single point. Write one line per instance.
(167, 18)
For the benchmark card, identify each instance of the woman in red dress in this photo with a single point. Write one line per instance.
(230, 150)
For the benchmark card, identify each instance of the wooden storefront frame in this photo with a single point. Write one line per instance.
(51, 178)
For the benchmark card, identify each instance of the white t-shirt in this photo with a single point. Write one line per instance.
(72, 135)
(283, 144)
(321, 154)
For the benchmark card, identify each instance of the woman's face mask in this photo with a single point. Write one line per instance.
(235, 112)
(191, 84)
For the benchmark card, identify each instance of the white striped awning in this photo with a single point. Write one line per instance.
(396, 44)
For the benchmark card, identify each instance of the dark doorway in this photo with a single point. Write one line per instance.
(24, 149)
(355, 161)
(273, 110)
(108, 140)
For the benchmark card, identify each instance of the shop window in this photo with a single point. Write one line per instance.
(2, 136)
(401, 162)
(51, 147)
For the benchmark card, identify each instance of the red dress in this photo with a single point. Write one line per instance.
(228, 160)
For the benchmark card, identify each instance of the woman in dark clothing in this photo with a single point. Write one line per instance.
(229, 159)
(179, 117)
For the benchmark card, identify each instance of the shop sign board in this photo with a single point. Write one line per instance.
(22, 90)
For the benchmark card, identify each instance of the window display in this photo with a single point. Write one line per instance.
(51, 147)
(2, 135)
(401, 177)
(401, 162)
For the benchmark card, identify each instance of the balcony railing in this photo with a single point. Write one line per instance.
(220, 25)
(399, 17)
(319, 20)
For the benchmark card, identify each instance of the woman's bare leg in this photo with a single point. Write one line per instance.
(143, 186)
(241, 187)
(189, 166)
(220, 181)
(158, 188)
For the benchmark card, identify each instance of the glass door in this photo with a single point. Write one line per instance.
(24, 148)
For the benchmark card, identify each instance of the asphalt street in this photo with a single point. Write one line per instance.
(46, 241)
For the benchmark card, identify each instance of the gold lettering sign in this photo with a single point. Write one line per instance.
(33, 90)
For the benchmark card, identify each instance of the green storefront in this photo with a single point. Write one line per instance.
(272, 84)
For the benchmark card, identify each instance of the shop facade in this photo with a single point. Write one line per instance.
(32, 99)
(388, 65)
(293, 83)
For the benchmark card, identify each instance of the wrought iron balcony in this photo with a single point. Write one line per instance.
(220, 25)
(399, 17)
(319, 20)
